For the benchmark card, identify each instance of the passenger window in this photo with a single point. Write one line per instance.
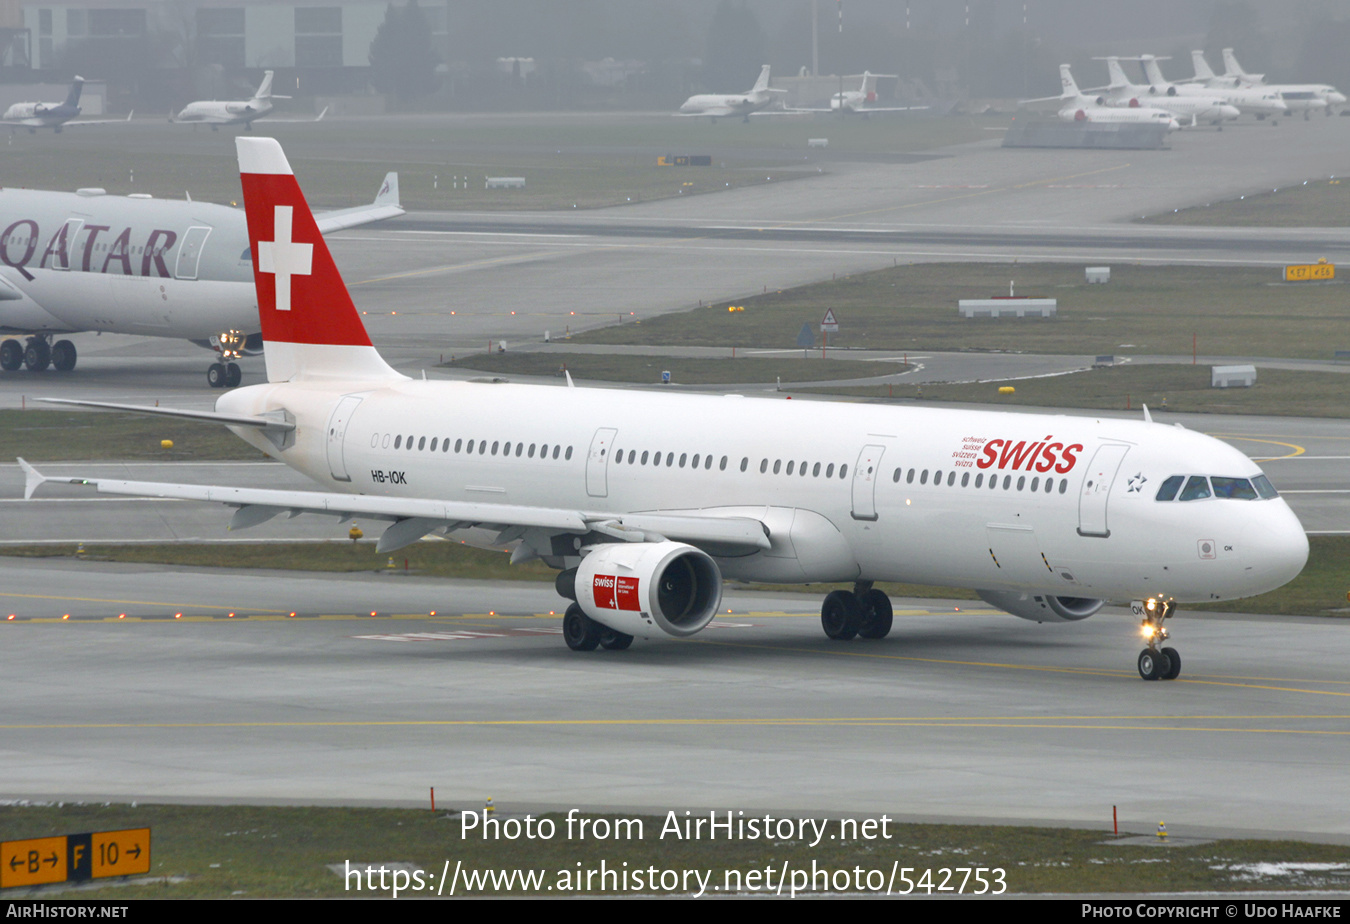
(644, 456)
(763, 466)
(909, 479)
(965, 479)
(979, 480)
(569, 453)
(555, 451)
(684, 457)
(495, 444)
(398, 441)
(951, 479)
(791, 464)
(1170, 487)
(1007, 480)
(693, 463)
(923, 478)
(1035, 484)
(1196, 488)
(520, 447)
(421, 443)
(707, 463)
(374, 439)
(843, 471)
(829, 470)
(1021, 482)
(384, 441)
(777, 465)
(1063, 485)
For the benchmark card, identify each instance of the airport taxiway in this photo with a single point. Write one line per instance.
(962, 714)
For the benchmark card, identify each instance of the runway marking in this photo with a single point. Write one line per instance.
(1262, 683)
(449, 267)
(1298, 450)
(982, 192)
(1066, 723)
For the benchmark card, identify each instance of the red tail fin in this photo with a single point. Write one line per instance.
(309, 324)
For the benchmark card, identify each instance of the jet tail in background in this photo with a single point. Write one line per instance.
(73, 97)
(1202, 68)
(762, 83)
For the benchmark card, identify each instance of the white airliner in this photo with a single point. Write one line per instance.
(1299, 97)
(646, 501)
(1078, 107)
(721, 105)
(88, 261)
(33, 116)
(222, 112)
(1209, 107)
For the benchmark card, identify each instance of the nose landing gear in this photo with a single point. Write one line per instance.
(1157, 663)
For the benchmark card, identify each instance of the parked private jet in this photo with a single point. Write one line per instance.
(720, 105)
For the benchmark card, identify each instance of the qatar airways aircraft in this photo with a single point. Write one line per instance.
(645, 501)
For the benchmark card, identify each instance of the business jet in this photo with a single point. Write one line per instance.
(719, 106)
(1260, 102)
(644, 502)
(1299, 97)
(55, 116)
(1121, 91)
(1250, 99)
(1079, 107)
(861, 101)
(217, 112)
(88, 261)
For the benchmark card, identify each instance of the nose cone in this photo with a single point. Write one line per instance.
(1335, 98)
(1274, 547)
(1229, 112)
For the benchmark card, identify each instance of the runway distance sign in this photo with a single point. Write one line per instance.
(1310, 272)
(93, 855)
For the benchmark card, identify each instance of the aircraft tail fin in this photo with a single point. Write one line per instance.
(1231, 68)
(1202, 68)
(762, 83)
(310, 326)
(264, 88)
(1153, 71)
(1066, 80)
(1116, 72)
(73, 97)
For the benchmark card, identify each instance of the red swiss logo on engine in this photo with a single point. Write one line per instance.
(616, 593)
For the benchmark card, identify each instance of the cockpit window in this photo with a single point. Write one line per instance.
(1233, 488)
(1264, 487)
(1170, 487)
(1196, 488)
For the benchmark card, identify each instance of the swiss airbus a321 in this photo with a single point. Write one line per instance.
(644, 502)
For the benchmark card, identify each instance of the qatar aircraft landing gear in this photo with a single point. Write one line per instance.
(862, 612)
(224, 375)
(38, 354)
(1157, 663)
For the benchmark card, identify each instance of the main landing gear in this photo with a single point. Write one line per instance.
(582, 633)
(224, 375)
(38, 354)
(862, 612)
(1157, 663)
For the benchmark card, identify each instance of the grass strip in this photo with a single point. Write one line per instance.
(257, 852)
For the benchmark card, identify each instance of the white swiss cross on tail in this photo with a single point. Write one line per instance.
(283, 256)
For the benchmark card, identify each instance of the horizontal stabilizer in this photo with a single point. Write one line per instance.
(275, 425)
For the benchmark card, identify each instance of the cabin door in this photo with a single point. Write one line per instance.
(865, 482)
(1096, 492)
(597, 463)
(337, 430)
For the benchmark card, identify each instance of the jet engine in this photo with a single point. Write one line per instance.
(1041, 607)
(649, 588)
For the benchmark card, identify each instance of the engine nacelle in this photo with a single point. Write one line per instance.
(1041, 607)
(649, 589)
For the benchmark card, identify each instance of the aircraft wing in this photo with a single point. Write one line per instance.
(720, 111)
(386, 205)
(317, 118)
(414, 517)
(76, 123)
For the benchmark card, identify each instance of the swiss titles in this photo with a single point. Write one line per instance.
(1044, 455)
(966, 456)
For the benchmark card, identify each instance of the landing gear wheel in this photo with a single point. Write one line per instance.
(11, 355)
(614, 640)
(877, 615)
(581, 632)
(1152, 664)
(840, 615)
(233, 376)
(215, 375)
(37, 356)
(1173, 664)
(63, 355)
